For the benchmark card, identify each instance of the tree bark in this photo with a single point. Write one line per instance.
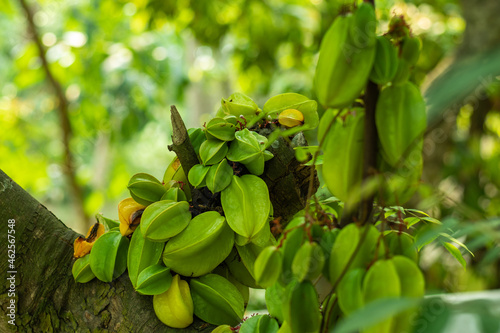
(47, 298)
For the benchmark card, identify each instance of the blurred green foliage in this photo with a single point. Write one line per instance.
(122, 64)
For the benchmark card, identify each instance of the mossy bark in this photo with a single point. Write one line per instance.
(47, 298)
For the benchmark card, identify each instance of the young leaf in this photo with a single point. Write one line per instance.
(456, 253)
(410, 221)
(454, 240)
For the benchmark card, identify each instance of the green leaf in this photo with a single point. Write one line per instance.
(431, 220)
(456, 253)
(454, 240)
(427, 234)
(373, 313)
(410, 221)
(460, 80)
(416, 211)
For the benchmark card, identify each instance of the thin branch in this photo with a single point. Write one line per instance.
(68, 164)
(181, 144)
(370, 147)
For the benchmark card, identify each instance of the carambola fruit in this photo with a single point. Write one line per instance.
(165, 219)
(267, 267)
(308, 261)
(154, 280)
(285, 108)
(142, 253)
(197, 175)
(412, 285)
(346, 57)
(220, 128)
(343, 153)
(129, 213)
(212, 151)
(301, 310)
(248, 148)
(83, 245)
(219, 176)
(239, 104)
(381, 281)
(145, 189)
(386, 61)
(291, 118)
(401, 121)
(246, 204)
(350, 291)
(108, 259)
(201, 247)
(175, 306)
(216, 300)
(259, 324)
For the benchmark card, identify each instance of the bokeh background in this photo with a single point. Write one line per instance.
(120, 65)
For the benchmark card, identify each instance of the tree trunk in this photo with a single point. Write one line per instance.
(46, 297)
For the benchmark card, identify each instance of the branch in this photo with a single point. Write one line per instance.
(68, 164)
(370, 147)
(181, 145)
(47, 299)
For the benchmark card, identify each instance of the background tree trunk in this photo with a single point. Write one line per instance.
(47, 298)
